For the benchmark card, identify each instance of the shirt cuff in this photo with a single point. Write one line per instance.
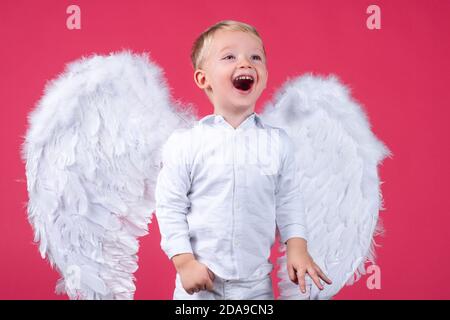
(177, 246)
(293, 231)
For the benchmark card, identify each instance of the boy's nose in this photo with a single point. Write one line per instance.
(244, 62)
(245, 65)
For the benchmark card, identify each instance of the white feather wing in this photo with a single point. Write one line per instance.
(337, 156)
(92, 155)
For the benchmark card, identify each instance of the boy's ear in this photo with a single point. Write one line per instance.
(200, 79)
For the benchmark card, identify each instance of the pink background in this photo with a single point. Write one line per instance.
(399, 73)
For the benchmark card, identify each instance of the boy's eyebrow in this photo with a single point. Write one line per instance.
(228, 47)
(225, 48)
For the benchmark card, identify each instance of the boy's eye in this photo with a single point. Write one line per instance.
(255, 57)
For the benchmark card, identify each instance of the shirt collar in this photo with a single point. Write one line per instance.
(217, 119)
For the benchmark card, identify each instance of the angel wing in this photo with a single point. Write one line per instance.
(337, 156)
(92, 153)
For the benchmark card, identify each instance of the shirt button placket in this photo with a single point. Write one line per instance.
(235, 205)
(237, 215)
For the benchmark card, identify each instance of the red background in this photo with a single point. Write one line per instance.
(399, 73)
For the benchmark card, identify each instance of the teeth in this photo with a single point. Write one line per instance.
(244, 77)
(243, 82)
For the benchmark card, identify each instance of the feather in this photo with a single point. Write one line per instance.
(90, 150)
(337, 157)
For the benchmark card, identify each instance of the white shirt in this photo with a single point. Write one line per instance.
(222, 192)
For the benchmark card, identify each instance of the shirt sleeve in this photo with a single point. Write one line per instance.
(171, 196)
(290, 211)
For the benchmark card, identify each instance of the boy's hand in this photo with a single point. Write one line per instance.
(299, 262)
(195, 276)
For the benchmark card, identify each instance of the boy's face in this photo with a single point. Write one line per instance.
(233, 54)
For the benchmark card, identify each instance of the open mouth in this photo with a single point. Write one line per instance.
(243, 82)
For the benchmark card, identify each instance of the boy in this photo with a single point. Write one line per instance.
(219, 196)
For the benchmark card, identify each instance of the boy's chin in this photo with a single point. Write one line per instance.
(243, 105)
(246, 100)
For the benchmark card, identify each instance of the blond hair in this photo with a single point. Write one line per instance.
(203, 42)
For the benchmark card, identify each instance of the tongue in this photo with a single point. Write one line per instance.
(243, 84)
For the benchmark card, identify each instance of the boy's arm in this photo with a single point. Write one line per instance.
(181, 260)
(172, 203)
(290, 212)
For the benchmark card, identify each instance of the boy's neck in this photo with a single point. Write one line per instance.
(233, 118)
